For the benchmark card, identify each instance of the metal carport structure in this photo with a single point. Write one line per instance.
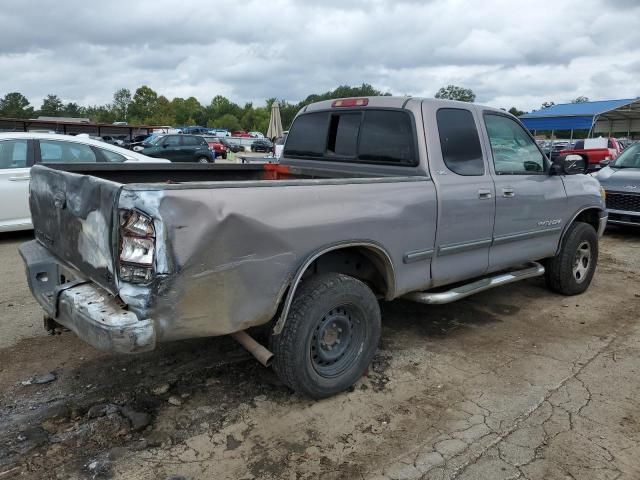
(70, 126)
(601, 117)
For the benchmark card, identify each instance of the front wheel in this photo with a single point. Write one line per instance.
(330, 336)
(571, 271)
(203, 160)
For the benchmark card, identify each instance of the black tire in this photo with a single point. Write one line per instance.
(327, 308)
(571, 271)
(224, 156)
(203, 160)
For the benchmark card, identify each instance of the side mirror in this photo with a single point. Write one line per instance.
(604, 163)
(569, 165)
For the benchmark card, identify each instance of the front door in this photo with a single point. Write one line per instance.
(14, 185)
(466, 194)
(171, 148)
(531, 205)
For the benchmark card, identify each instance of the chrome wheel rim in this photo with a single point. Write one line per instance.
(582, 262)
(203, 160)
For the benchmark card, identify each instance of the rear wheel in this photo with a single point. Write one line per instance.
(203, 160)
(330, 336)
(571, 271)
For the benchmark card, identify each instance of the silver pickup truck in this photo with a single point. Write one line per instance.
(374, 199)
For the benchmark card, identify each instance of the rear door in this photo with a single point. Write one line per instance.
(466, 194)
(531, 205)
(194, 147)
(14, 185)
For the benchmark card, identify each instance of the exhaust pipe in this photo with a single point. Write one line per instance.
(261, 354)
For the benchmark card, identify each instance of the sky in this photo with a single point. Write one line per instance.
(510, 53)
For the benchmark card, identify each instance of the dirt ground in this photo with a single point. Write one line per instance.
(512, 383)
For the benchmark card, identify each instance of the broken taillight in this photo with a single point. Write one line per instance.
(137, 247)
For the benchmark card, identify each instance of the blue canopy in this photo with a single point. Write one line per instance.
(571, 116)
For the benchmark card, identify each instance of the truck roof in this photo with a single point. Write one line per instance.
(393, 102)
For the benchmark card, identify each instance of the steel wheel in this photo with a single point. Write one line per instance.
(582, 261)
(336, 340)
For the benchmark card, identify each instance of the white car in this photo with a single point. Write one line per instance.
(19, 151)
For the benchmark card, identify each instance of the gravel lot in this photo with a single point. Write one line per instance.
(511, 383)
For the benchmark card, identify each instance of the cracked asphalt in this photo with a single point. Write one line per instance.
(512, 383)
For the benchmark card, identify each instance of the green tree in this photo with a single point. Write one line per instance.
(188, 109)
(144, 104)
(15, 105)
(228, 121)
(121, 103)
(52, 106)
(514, 111)
(100, 113)
(221, 106)
(163, 114)
(580, 99)
(453, 92)
(72, 109)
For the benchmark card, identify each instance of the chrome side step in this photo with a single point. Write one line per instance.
(534, 269)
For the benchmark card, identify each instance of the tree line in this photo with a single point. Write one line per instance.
(145, 106)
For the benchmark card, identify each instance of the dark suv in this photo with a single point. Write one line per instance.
(179, 148)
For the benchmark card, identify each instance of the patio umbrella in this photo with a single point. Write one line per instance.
(275, 122)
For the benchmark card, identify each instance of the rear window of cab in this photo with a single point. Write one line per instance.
(366, 136)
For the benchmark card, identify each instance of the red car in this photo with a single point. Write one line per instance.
(216, 145)
(240, 133)
(595, 150)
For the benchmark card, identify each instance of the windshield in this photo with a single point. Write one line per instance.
(630, 158)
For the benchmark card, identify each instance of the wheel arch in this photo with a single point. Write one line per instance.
(376, 269)
(590, 215)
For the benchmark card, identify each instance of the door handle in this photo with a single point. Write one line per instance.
(19, 179)
(484, 193)
(508, 192)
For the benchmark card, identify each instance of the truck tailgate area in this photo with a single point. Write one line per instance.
(73, 218)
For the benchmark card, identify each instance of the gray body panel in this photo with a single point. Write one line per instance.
(230, 253)
(229, 261)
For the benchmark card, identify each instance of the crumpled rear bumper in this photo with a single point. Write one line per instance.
(96, 316)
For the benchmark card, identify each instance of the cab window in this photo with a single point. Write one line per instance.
(171, 141)
(386, 136)
(13, 154)
(514, 152)
(191, 141)
(112, 157)
(54, 151)
(459, 141)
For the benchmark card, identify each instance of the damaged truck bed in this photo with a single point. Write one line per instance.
(375, 198)
(223, 255)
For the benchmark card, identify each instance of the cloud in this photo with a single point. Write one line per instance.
(510, 53)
